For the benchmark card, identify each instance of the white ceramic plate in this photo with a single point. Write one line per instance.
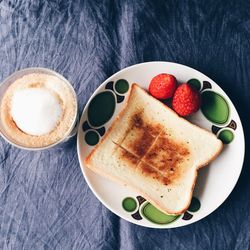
(218, 115)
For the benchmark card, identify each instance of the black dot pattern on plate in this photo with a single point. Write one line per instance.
(195, 205)
(215, 129)
(101, 131)
(232, 125)
(206, 85)
(137, 215)
(140, 199)
(119, 98)
(85, 126)
(187, 216)
(110, 85)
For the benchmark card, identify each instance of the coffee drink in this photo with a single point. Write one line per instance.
(38, 110)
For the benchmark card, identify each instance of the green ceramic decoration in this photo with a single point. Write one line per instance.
(121, 86)
(92, 138)
(226, 136)
(154, 215)
(214, 107)
(101, 108)
(195, 205)
(129, 204)
(195, 84)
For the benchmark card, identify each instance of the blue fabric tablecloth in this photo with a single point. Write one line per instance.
(45, 202)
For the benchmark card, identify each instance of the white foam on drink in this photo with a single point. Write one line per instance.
(35, 111)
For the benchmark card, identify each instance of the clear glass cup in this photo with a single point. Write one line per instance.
(18, 74)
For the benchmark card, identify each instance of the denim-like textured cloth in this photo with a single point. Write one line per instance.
(45, 202)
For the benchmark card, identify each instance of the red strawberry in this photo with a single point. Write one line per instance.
(162, 86)
(186, 100)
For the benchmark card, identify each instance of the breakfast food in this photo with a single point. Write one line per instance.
(186, 100)
(37, 110)
(162, 86)
(152, 150)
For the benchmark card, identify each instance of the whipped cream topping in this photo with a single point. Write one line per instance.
(36, 111)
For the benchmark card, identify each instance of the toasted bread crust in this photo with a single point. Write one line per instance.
(87, 159)
(154, 201)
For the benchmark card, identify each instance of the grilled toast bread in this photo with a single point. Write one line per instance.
(152, 150)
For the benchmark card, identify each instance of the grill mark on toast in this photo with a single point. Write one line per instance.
(130, 127)
(127, 156)
(138, 142)
(141, 135)
(146, 169)
(150, 171)
(170, 156)
(150, 150)
(136, 121)
(167, 156)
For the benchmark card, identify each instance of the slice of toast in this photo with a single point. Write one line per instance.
(152, 150)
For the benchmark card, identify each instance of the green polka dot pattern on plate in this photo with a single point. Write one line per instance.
(129, 204)
(121, 86)
(214, 107)
(195, 205)
(195, 83)
(92, 138)
(226, 136)
(154, 215)
(101, 108)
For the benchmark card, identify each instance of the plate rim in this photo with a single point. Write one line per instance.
(81, 165)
